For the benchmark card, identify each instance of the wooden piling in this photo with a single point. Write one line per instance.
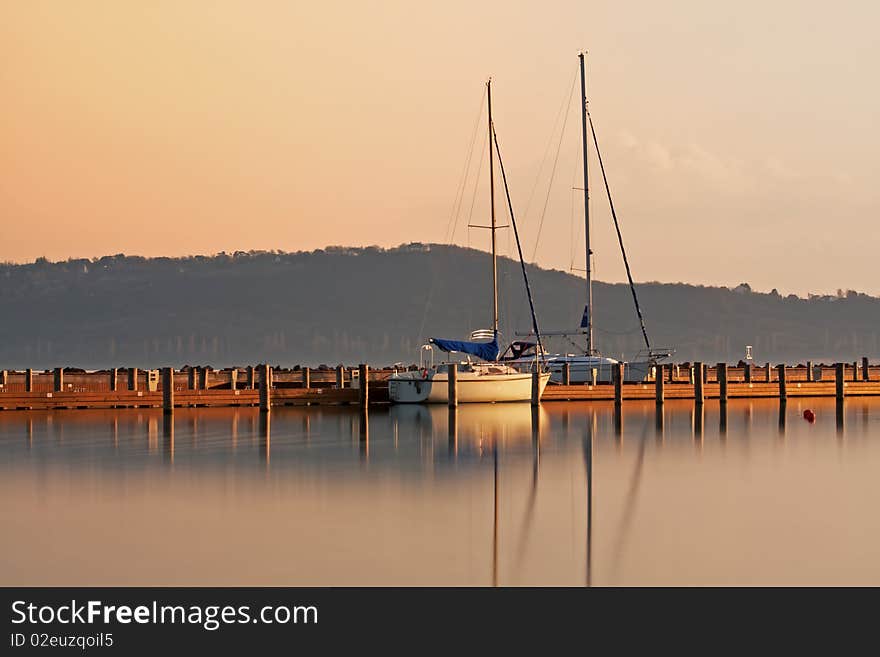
(839, 381)
(265, 388)
(306, 377)
(672, 372)
(536, 386)
(566, 373)
(866, 374)
(698, 383)
(780, 373)
(747, 373)
(192, 380)
(721, 375)
(809, 370)
(658, 385)
(364, 389)
(114, 378)
(167, 390)
(132, 378)
(340, 377)
(617, 378)
(855, 376)
(251, 377)
(692, 379)
(233, 379)
(204, 381)
(452, 384)
(768, 377)
(29, 380)
(4, 378)
(58, 380)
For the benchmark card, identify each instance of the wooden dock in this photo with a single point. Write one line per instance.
(267, 387)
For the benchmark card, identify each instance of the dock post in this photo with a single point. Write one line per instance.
(658, 385)
(672, 372)
(29, 380)
(691, 378)
(838, 382)
(594, 375)
(306, 377)
(191, 379)
(114, 378)
(265, 388)
(340, 377)
(698, 383)
(536, 386)
(809, 370)
(251, 377)
(132, 378)
(566, 373)
(780, 373)
(364, 390)
(204, 372)
(58, 380)
(4, 378)
(767, 376)
(866, 375)
(167, 390)
(721, 374)
(617, 377)
(452, 383)
(855, 370)
(233, 379)
(747, 373)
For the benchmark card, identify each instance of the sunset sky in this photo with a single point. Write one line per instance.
(741, 140)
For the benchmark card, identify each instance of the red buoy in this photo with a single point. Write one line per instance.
(809, 416)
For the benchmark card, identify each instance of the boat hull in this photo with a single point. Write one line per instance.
(471, 387)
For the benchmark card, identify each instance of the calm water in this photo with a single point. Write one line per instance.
(317, 496)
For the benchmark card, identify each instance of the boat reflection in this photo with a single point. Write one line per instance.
(483, 494)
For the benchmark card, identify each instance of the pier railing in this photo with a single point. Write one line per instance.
(266, 387)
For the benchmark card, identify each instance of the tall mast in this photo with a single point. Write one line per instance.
(588, 310)
(492, 206)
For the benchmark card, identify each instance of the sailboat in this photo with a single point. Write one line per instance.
(486, 380)
(590, 366)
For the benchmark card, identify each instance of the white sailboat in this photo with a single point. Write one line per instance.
(484, 381)
(589, 366)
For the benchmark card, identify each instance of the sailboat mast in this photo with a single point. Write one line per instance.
(587, 324)
(492, 210)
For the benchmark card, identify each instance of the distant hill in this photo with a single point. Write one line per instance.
(368, 304)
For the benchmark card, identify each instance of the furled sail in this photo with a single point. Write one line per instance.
(484, 350)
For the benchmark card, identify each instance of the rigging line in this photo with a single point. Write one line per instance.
(553, 171)
(547, 149)
(632, 287)
(456, 212)
(627, 332)
(518, 246)
(575, 226)
(462, 184)
(476, 186)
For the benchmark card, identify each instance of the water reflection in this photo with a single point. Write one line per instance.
(568, 493)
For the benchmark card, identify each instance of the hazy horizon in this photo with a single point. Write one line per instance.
(740, 141)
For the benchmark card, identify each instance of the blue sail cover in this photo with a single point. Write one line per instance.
(484, 350)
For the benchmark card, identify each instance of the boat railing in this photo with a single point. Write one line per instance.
(654, 354)
(423, 358)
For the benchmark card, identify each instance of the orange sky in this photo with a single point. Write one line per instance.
(741, 141)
